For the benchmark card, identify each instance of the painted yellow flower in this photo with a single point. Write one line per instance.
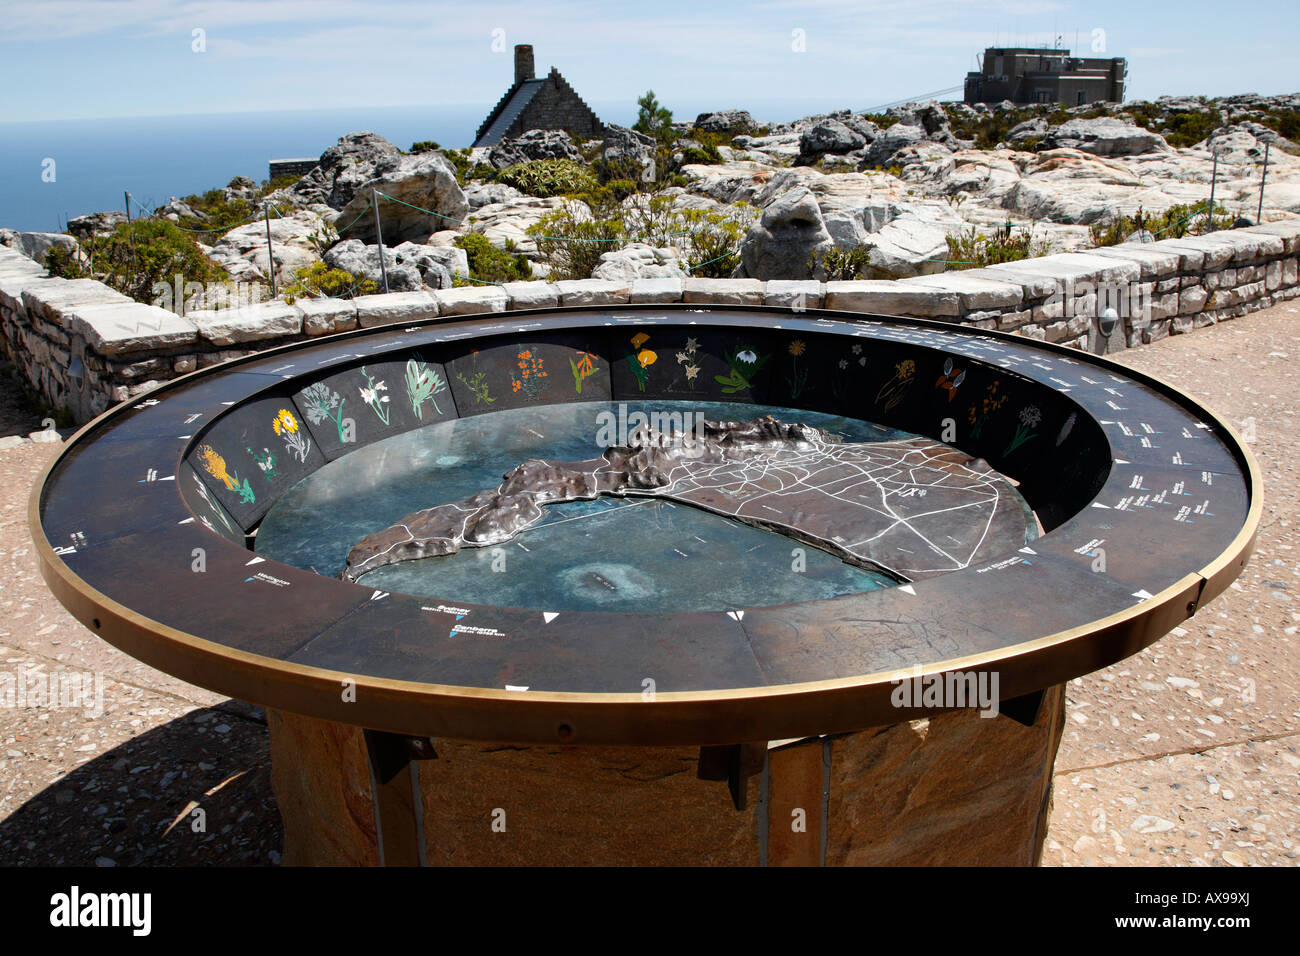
(797, 347)
(285, 422)
(639, 340)
(216, 466)
(646, 357)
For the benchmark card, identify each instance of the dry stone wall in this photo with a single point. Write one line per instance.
(84, 347)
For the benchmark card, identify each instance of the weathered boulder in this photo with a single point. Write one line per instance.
(883, 148)
(828, 136)
(533, 145)
(479, 194)
(343, 169)
(362, 261)
(424, 197)
(626, 150)
(639, 260)
(1105, 136)
(175, 208)
(242, 250)
(95, 223)
(786, 239)
(35, 245)
(436, 264)
(736, 122)
(1035, 128)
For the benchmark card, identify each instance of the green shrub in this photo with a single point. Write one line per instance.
(424, 146)
(972, 249)
(548, 177)
(573, 238)
(842, 265)
(1174, 223)
(136, 255)
(707, 155)
(63, 263)
(487, 263)
(320, 279)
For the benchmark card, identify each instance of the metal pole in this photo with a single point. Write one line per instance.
(270, 255)
(127, 195)
(1259, 215)
(379, 237)
(1214, 176)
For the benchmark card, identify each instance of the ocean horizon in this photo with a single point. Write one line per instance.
(156, 157)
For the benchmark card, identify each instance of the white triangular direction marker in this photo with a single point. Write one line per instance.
(168, 478)
(549, 616)
(185, 520)
(513, 687)
(1143, 594)
(1121, 461)
(735, 615)
(249, 564)
(909, 589)
(378, 595)
(1028, 551)
(1098, 504)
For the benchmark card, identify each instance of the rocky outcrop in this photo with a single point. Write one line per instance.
(883, 148)
(422, 198)
(343, 169)
(1104, 136)
(736, 122)
(95, 223)
(787, 239)
(828, 136)
(242, 250)
(625, 151)
(639, 260)
(533, 145)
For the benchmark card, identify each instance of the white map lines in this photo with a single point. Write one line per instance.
(886, 483)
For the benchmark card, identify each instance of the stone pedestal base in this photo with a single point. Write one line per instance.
(956, 789)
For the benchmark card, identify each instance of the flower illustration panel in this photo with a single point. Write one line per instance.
(250, 455)
(541, 370)
(689, 363)
(207, 509)
(371, 401)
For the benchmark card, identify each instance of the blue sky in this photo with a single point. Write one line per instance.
(69, 59)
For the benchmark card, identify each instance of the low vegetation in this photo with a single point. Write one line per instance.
(973, 249)
(487, 263)
(319, 279)
(1174, 223)
(135, 256)
(545, 178)
(588, 225)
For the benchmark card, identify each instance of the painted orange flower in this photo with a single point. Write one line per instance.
(797, 347)
(646, 358)
(216, 466)
(639, 340)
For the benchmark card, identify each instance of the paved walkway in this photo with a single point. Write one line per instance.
(1185, 754)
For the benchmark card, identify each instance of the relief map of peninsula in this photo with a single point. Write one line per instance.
(910, 508)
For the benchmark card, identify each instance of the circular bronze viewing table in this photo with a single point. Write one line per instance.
(410, 728)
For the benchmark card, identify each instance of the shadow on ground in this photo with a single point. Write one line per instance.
(195, 791)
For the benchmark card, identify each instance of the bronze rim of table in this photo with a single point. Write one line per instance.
(710, 716)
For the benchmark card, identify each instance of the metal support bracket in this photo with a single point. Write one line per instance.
(734, 763)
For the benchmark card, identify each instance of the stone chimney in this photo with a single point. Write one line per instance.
(523, 62)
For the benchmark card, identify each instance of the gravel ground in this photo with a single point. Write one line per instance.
(1185, 754)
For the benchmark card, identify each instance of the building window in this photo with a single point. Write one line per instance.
(1078, 98)
(1042, 96)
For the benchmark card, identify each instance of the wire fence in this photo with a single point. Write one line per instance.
(267, 207)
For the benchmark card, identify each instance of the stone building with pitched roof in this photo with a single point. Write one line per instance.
(530, 103)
